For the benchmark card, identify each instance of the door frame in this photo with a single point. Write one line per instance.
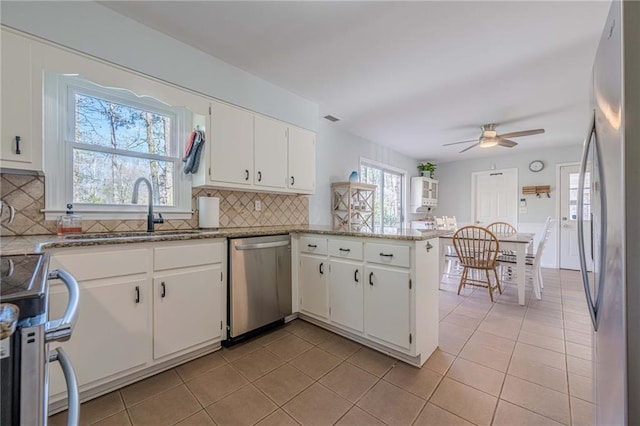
(556, 225)
(474, 176)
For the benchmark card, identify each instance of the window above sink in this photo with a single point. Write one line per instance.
(103, 140)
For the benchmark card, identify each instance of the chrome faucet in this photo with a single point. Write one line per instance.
(134, 199)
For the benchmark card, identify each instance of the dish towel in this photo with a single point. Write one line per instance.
(194, 150)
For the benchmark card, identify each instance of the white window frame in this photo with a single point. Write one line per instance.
(59, 126)
(368, 162)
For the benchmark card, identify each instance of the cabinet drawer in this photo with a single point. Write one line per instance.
(346, 249)
(186, 255)
(102, 264)
(313, 245)
(387, 254)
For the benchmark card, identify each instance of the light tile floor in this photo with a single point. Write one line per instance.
(498, 363)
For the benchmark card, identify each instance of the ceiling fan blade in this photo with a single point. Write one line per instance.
(506, 143)
(521, 133)
(468, 148)
(457, 143)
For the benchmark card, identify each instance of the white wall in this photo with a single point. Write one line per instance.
(96, 30)
(455, 189)
(93, 29)
(337, 154)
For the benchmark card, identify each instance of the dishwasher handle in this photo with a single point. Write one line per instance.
(255, 246)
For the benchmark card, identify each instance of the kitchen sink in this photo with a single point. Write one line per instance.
(131, 234)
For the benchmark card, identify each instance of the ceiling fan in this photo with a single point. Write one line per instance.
(490, 137)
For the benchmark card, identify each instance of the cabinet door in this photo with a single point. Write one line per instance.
(112, 333)
(314, 294)
(231, 154)
(346, 294)
(16, 94)
(270, 150)
(186, 309)
(302, 160)
(387, 291)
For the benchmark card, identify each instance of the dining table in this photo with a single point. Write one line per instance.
(519, 243)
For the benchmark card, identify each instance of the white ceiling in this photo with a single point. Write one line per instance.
(409, 75)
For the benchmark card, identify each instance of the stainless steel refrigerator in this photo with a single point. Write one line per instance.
(611, 169)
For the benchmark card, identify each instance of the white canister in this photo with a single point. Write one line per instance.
(208, 212)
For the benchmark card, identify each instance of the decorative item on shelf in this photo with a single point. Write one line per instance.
(427, 167)
(354, 177)
(537, 190)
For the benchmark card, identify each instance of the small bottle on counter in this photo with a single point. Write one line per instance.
(70, 223)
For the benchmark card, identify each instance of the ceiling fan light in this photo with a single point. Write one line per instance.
(488, 142)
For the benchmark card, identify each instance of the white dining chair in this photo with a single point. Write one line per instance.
(533, 269)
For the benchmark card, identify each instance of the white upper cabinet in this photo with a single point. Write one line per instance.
(424, 192)
(231, 145)
(302, 160)
(270, 149)
(248, 151)
(21, 145)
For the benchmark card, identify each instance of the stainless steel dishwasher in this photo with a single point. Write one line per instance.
(259, 283)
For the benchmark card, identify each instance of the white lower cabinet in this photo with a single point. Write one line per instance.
(346, 294)
(382, 292)
(183, 315)
(141, 306)
(112, 333)
(314, 295)
(388, 305)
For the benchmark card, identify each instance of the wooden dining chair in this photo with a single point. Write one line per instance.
(477, 249)
(502, 228)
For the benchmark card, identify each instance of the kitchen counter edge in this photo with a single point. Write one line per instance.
(40, 243)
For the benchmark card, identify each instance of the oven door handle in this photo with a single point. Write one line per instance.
(60, 330)
(73, 397)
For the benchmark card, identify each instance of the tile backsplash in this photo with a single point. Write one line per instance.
(26, 194)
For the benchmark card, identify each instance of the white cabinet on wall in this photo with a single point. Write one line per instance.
(270, 150)
(20, 110)
(302, 160)
(424, 192)
(231, 145)
(248, 151)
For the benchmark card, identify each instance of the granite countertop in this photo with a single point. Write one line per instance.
(39, 243)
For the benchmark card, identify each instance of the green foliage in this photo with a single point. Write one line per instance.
(427, 167)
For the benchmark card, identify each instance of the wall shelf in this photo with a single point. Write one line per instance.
(537, 190)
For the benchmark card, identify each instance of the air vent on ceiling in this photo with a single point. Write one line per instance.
(331, 118)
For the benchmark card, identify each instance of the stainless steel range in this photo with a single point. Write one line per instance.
(25, 334)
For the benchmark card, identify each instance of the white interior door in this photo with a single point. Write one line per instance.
(495, 197)
(569, 177)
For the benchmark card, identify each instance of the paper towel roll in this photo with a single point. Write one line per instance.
(208, 212)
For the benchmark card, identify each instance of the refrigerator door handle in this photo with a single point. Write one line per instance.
(599, 260)
(581, 248)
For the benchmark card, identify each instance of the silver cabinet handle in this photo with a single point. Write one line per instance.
(73, 398)
(429, 247)
(60, 330)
